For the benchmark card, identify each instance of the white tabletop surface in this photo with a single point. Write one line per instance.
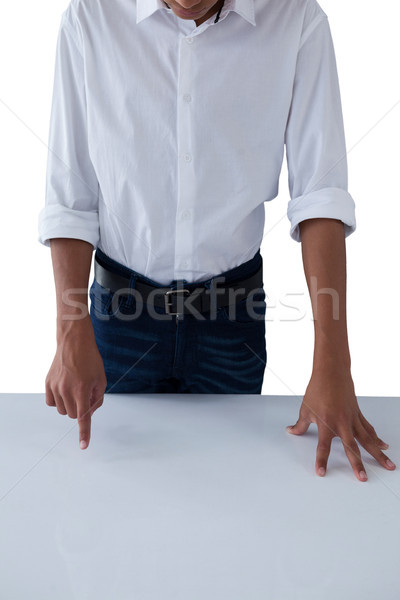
(193, 497)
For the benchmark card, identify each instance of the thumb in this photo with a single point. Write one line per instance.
(96, 400)
(299, 428)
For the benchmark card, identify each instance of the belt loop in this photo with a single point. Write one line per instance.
(214, 292)
(132, 285)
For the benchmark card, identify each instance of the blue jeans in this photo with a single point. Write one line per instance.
(220, 354)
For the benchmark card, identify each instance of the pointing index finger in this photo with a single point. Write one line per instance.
(84, 422)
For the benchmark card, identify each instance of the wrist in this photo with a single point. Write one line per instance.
(331, 349)
(73, 325)
(331, 361)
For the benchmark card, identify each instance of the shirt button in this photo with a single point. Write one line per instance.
(185, 214)
(187, 97)
(187, 157)
(189, 40)
(185, 264)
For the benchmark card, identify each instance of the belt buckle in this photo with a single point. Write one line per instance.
(169, 304)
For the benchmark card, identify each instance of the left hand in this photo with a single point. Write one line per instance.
(331, 403)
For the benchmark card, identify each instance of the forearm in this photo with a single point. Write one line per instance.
(324, 259)
(71, 260)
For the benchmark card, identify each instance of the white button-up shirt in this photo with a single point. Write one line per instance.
(166, 139)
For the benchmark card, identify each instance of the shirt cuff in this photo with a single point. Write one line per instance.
(57, 221)
(332, 203)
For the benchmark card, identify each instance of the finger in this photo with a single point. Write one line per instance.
(371, 431)
(299, 427)
(59, 403)
(370, 445)
(323, 451)
(353, 454)
(84, 420)
(96, 401)
(49, 395)
(70, 405)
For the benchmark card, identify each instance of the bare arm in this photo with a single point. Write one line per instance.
(324, 259)
(330, 400)
(71, 267)
(76, 380)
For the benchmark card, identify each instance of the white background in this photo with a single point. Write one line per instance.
(367, 49)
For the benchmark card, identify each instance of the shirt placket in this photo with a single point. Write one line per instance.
(184, 241)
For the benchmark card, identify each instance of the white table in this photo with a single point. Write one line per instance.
(192, 497)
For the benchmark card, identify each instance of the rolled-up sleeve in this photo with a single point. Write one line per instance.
(314, 137)
(71, 197)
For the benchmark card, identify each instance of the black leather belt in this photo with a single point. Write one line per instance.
(181, 299)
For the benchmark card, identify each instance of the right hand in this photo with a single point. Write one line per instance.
(76, 381)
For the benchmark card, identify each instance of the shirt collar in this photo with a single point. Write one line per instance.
(244, 8)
